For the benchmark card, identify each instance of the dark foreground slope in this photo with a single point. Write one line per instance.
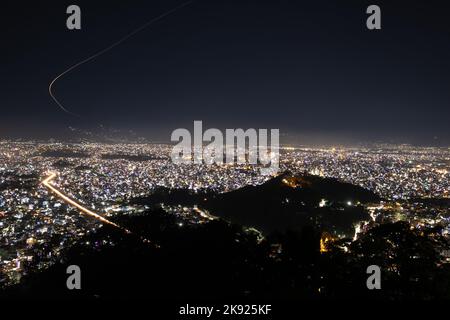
(219, 262)
(222, 262)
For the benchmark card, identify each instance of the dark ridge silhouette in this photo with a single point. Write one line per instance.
(282, 203)
(291, 202)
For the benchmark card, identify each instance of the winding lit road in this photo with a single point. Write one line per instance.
(47, 184)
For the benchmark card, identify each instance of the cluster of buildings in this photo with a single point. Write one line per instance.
(393, 172)
(36, 224)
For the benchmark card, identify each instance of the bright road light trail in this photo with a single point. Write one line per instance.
(131, 34)
(47, 184)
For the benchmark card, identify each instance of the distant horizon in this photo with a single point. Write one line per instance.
(286, 139)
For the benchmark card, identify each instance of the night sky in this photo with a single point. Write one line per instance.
(311, 69)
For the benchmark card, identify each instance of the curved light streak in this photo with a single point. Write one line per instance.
(47, 184)
(134, 32)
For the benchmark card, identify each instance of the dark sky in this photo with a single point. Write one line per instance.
(310, 69)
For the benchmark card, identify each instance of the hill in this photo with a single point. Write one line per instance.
(292, 202)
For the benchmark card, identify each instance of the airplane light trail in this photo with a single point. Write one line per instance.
(47, 184)
(50, 87)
